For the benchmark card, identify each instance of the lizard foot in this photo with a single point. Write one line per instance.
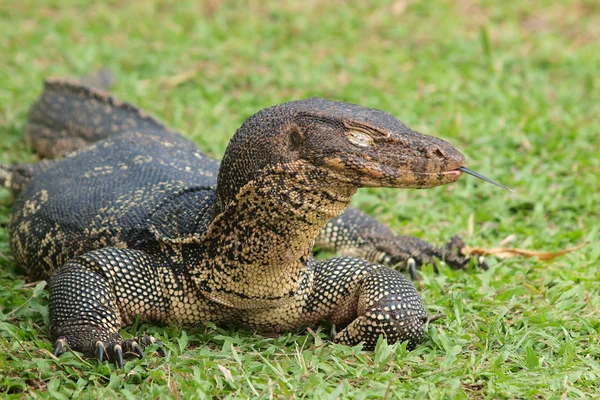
(454, 257)
(409, 253)
(391, 318)
(112, 348)
(388, 305)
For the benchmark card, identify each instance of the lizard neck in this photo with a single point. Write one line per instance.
(260, 243)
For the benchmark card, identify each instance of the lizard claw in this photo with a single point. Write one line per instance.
(161, 352)
(411, 266)
(482, 263)
(333, 332)
(114, 348)
(135, 347)
(60, 346)
(118, 354)
(436, 267)
(100, 351)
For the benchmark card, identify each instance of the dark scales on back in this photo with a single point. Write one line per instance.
(134, 220)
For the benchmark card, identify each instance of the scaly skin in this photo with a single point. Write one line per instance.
(137, 222)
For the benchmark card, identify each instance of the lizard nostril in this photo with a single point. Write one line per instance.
(438, 153)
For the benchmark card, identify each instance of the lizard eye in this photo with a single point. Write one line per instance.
(360, 138)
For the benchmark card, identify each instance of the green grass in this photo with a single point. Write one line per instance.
(514, 85)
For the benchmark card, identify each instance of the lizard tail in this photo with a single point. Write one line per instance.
(5, 175)
(16, 176)
(74, 113)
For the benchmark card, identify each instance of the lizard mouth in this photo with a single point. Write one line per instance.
(379, 174)
(479, 176)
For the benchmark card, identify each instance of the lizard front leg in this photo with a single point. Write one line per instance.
(95, 294)
(357, 234)
(370, 300)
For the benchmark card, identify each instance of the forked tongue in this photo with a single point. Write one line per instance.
(483, 178)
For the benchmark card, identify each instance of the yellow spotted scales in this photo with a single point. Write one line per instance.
(130, 220)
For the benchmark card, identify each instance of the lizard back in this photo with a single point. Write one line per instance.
(125, 191)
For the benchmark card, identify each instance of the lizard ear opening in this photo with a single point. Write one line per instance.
(296, 137)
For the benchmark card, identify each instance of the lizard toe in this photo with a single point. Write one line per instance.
(60, 346)
(137, 349)
(483, 263)
(147, 340)
(117, 355)
(132, 346)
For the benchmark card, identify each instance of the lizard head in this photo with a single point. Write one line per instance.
(370, 148)
(335, 143)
